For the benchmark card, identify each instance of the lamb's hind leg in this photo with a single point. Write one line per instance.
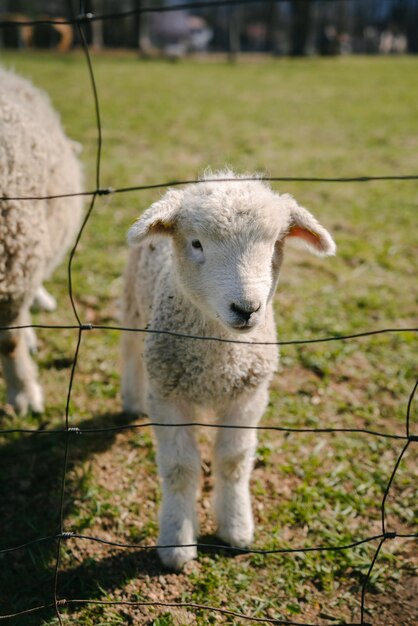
(179, 468)
(233, 462)
(23, 389)
(134, 381)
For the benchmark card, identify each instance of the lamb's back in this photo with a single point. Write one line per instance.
(36, 160)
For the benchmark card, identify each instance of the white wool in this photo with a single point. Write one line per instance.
(36, 159)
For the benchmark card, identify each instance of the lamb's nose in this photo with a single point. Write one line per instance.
(244, 311)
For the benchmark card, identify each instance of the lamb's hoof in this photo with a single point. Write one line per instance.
(239, 537)
(176, 558)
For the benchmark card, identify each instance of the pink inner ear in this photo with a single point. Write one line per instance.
(308, 235)
(161, 228)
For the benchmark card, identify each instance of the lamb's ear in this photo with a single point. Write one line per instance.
(308, 231)
(159, 219)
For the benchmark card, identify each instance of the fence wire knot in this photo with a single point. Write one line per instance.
(61, 602)
(75, 430)
(413, 438)
(390, 535)
(86, 326)
(84, 17)
(67, 534)
(105, 191)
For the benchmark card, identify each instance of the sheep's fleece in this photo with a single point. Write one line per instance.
(36, 159)
(205, 262)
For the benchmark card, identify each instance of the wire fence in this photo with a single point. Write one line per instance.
(68, 431)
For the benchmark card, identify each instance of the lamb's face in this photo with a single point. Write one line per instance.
(231, 274)
(228, 239)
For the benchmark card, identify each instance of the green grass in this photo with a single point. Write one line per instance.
(312, 117)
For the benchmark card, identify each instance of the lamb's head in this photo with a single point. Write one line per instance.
(228, 240)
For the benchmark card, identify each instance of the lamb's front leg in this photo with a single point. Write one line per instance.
(20, 372)
(179, 468)
(233, 463)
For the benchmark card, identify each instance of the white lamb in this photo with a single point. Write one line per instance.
(36, 159)
(205, 262)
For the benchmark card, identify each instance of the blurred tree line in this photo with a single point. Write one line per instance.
(294, 27)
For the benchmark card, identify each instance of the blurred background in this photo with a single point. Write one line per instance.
(280, 28)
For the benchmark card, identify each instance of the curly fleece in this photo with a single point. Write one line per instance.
(36, 159)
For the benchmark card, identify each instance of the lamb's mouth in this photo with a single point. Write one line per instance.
(243, 327)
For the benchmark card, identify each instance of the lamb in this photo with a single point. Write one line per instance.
(36, 159)
(205, 262)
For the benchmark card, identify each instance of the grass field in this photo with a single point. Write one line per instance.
(161, 121)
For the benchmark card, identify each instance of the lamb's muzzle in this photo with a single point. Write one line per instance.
(246, 315)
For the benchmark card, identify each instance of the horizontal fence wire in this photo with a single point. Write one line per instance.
(177, 605)
(208, 546)
(68, 431)
(283, 429)
(176, 183)
(172, 333)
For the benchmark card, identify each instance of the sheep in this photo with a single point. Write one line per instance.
(205, 261)
(36, 159)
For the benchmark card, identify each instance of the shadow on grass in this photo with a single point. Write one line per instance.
(113, 571)
(31, 471)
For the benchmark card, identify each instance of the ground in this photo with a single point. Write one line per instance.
(310, 117)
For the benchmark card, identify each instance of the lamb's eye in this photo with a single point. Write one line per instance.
(196, 244)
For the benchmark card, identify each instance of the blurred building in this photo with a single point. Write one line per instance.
(295, 27)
